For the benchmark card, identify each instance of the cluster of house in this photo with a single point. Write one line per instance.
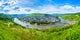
(50, 19)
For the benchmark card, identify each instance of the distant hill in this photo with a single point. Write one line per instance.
(5, 17)
(36, 14)
(17, 15)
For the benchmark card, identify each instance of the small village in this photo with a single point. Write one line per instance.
(42, 20)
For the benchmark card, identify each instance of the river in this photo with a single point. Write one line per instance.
(28, 25)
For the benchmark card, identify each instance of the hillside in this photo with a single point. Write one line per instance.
(11, 31)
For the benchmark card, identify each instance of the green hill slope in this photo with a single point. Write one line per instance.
(11, 31)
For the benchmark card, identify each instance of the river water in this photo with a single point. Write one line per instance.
(28, 25)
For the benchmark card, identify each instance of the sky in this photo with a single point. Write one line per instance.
(39, 6)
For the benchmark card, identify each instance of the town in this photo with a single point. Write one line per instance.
(41, 19)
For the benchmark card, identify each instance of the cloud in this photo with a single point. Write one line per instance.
(14, 7)
(60, 9)
(44, 9)
(67, 7)
(48, 9)
(1, 3)
(53, 9)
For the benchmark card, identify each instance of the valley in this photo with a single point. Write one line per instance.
(9, 30)
(39, 19)
(43, 22)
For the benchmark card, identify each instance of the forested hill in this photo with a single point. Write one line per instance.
(5, 17)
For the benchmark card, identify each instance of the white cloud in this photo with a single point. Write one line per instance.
(60, 9)
(67, 7)
(41, 9)
(16, 3)
(1, 3)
